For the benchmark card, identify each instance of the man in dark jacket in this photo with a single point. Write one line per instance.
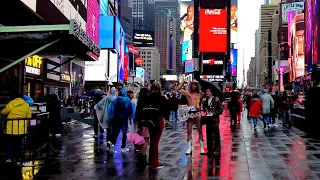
(213, 109)
(174, 103)
(275, 109)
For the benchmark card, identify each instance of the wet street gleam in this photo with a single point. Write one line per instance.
(266, 154)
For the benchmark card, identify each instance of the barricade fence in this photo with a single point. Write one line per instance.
(25, 139)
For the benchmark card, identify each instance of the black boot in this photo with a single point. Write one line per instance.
(142, 160)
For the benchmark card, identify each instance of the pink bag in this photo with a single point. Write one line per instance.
(135, 138)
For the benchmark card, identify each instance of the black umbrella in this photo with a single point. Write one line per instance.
(215, 89)
(96, 92)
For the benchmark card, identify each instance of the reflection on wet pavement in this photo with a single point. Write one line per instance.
(245, 154)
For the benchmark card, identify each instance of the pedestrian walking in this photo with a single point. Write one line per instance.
(267, 105)
(234, 108)
(275, 109)
(286, 106)
(255, 110)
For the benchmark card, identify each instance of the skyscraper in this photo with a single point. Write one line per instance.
(174, 7)
(162, 36)
(125, 16)
(143, 14)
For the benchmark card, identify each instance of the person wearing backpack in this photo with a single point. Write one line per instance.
(120, 111)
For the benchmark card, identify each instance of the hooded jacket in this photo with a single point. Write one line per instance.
(267, 103)
(255, 107)
(17, 109)
(122, 107)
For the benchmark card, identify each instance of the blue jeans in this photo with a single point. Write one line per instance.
(174, 115)
(266, 119)
(286, 116)
(255, 120)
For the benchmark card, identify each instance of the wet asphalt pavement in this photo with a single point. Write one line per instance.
(245, 154)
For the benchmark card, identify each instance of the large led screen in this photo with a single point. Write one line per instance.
(234, 61)
(234, 21)
(213, 30)
(96, 70)
(140, 73)
(106, 32)
(308, 33)
(93, 16)
(104, 7)
(126, 67)
(187, 28)
(113, 66)
(121, 58)
(143, 38)
(296, 7)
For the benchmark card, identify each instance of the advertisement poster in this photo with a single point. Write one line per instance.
(234, 21)
(104, 7)
(113, 67)
(121, 60)
(186, 50)
(189, 66)
(234, 61)
(97, 70)
(297, 46)
(296, 7)
(213, 30)
(106, 35)
(308, 33)
(187, 28)
(140, 72)
(126, 67)
(93, 16)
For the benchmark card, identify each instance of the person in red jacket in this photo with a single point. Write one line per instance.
(255, 109)
(241, 108)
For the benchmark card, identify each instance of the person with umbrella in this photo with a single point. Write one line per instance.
(193, 97)
(213, 108)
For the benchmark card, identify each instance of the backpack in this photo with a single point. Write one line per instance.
(150, 114)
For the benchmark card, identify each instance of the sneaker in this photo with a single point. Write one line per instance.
(275, 125)
(255, 128)
(125, 149)
(111, 149)
(159, 167)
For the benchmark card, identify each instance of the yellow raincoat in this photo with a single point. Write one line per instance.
(17, 109)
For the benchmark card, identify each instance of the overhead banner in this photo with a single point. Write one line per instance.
(213, 30)
(187, 28)
(143, 38)
(296, 7)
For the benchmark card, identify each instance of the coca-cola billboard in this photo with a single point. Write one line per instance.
(213, 30)
(212, 12)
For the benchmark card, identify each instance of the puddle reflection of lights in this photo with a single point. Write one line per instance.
(86, 135)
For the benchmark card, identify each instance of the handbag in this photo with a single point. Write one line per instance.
(150, 117)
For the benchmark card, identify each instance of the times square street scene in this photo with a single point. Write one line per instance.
(159, 89)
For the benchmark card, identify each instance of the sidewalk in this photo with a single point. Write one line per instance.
(272, 154)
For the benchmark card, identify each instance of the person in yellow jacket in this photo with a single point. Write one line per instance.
(15, 111)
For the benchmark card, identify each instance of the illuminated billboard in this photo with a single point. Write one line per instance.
(143, 38)
(296, 7)
(186, 50)
(187, 28)
(234, 61)
(234, 21)
(213, 30)
(106, 32)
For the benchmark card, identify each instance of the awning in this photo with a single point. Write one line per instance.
(20, 42)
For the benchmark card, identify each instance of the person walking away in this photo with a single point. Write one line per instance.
(255, 109)
(194, 98)
(142, 102)
(234, 109)
(157, 101)
(96, 125)
(174, 103)
(275, 109)
(239, 115)
(120, 111)
(212, 120)
(267, 105)
(53, 107)
(248, 101)
(286, 106)
(15, 111)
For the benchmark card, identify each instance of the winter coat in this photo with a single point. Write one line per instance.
(267, 103)
(17, 109)
(122, 107)
(255, 107)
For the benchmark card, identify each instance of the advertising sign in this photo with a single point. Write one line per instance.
(234, 21)
(308, 33)
(106, 35)
(113, 67)
(170, 77)
(212, 78)
(33, 65)
(297, 46)
(186, 50)
(97, 70)
(104, 7)
(140, 72)
(296, 7)
(189, 66)
(119, 35)
(133, 50)
(234, 61)
(121, 51)
(212, 62)
(213, 30)
(93, 16)
(126, 67)
(143, 38)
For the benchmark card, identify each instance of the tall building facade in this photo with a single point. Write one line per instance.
(162, 36)
(173, 44)
(174, 7)
(275, 48)
(251, 73)
(143, 14)
(256, 54)
(151, 63)
(265, 58)
(125, 16)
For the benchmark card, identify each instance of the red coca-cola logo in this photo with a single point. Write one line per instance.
(212, 12)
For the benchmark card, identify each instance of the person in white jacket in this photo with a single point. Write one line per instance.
(267, 105)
